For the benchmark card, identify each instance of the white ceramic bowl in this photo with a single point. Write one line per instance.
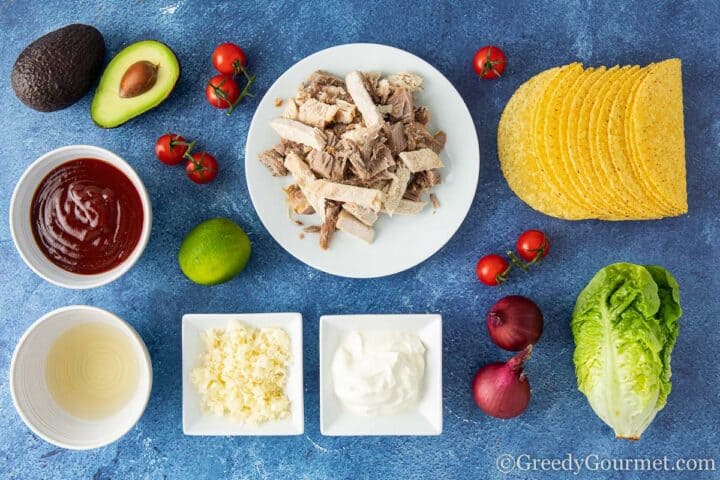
(34, 402)
(21, 229)
(195, 421)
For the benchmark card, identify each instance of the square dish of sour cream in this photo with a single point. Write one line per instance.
(381, 375)
(242, 374)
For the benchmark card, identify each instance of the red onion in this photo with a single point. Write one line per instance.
(501, 389)
(514, 322)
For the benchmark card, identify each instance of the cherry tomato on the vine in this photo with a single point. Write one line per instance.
(532, 245)
(228, 58)
(489, 62)
(170, 149)
(222, 91)
(492, 270)
(201, 167)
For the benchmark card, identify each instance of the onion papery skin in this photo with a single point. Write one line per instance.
(502, 390)
(514, 322)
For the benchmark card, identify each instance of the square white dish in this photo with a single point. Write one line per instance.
(195, 421)
(426, 418)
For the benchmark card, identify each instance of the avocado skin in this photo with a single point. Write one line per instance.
(59, 68)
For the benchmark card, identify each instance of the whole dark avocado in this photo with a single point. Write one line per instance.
(59, 68)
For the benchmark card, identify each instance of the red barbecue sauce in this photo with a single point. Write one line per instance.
(86, 216)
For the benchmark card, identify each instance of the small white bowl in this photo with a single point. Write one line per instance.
(21, 229)
(33, 400)
(426, 418)
(197, 422)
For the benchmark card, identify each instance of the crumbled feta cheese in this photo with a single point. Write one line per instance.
(243, 373)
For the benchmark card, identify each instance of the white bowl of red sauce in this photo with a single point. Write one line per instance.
(80, 216)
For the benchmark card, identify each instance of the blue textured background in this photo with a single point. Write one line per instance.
(155, 295)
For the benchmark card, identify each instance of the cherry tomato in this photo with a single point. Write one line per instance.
(492, 270)
(222, 91)
(532, 246)
(203, 167)
(489, 62)
(170, 149)
(228, 58)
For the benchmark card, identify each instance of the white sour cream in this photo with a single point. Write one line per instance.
(379, 372)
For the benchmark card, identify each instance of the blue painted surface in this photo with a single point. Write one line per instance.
(155, 295)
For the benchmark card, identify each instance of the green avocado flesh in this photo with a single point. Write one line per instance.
(108, 108)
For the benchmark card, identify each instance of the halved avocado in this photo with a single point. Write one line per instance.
(108, 108)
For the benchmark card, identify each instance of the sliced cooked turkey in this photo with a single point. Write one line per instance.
(327, 229)
(356, 147)
(365, 215)
(363, 101)
(351, 225)
(365, 197)
(421, 160)
(274, 162)
(299, 132)
(395, 193)
(409, 207)
(317, 114)
(296, 200)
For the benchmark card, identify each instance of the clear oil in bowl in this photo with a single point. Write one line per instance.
(92, 370)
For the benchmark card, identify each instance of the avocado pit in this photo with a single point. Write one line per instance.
(138, 79)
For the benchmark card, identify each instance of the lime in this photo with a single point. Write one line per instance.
(214, 252)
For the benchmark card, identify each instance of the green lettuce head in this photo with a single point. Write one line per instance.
(625, 324)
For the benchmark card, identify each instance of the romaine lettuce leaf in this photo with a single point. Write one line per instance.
(625, 324)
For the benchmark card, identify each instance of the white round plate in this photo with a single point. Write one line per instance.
(401, 242)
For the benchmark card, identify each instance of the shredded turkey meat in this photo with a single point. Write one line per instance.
(356, 147)
(327, 229)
